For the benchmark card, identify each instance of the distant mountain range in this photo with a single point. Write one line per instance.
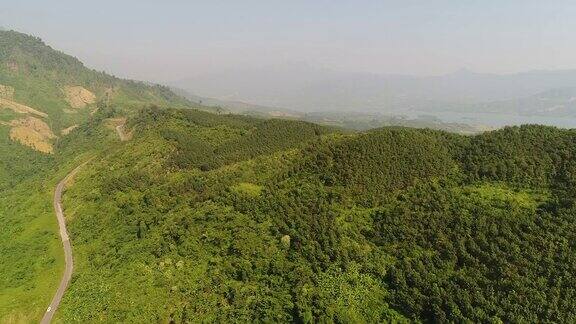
(554, 102)
(347, 120)
(303, 88)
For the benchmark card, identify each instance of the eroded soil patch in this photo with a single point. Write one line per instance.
(32, 132)
(78, 97)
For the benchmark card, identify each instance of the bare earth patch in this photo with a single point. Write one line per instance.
(67, 130)
(32, 132)
(36, 125)
(78, 97)
(20, 108)
(117, 124)
(112, 123)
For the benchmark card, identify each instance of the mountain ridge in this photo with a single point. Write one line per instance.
(304, 88)
(34, 77)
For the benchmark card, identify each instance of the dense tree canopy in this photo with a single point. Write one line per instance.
(225, 218)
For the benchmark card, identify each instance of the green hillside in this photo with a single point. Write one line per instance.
(37, 112)
(392, 225)
(35, 106)
(38, 74)
(36, 154)
(203, 217)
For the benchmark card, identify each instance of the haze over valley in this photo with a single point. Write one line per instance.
(381, 60)
(463, 96)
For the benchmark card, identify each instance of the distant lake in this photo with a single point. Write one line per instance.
(499, 120)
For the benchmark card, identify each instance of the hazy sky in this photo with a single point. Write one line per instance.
(169, 40)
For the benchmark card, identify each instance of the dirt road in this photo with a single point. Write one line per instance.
(64, 236)
(67, 248)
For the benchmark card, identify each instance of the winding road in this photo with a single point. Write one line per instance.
(69, 259)
(67, 247)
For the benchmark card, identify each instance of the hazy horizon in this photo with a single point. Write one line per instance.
(170, 41)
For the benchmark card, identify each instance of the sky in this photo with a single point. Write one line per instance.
(170, 40)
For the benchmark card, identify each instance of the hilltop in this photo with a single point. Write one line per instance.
(46, 94)
(44, 91)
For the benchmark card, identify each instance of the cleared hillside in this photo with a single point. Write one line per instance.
(58, 90)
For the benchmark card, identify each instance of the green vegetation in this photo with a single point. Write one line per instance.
(30, 251)
(392, 225)
(18, 162)
(31, 257)
(223, 218)
(207, 141)
(38, 75)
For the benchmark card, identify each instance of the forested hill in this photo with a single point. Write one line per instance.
(225, 218)
(54, 114)
(46, 94)
(59, 85)
(234, 219)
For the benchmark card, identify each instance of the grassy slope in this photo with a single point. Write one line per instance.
(31, 250)
(32, 258)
